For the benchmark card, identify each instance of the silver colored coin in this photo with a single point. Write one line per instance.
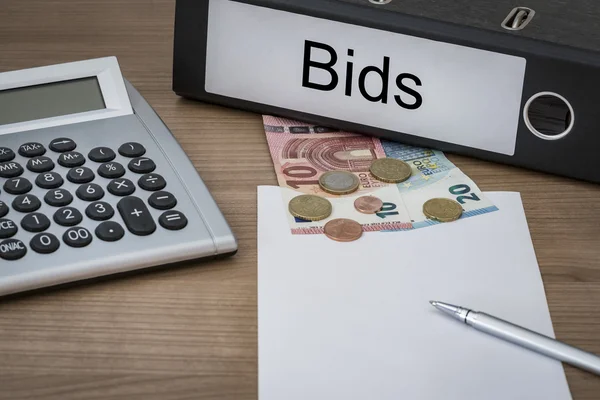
(339, 182)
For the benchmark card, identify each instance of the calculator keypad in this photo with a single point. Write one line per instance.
(88, 183)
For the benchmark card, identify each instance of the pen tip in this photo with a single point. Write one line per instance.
(433, 303)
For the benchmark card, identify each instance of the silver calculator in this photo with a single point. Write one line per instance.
(92, 182)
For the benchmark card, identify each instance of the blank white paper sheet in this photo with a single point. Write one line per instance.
(352, 321)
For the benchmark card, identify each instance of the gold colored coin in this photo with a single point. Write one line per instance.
(443, 210)
(310, 207)
(339, 182)
(390, 170)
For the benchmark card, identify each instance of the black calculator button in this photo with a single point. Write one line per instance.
(162, 200)
(40, 164)
(3, 209)
(49, 180)
(17, 186)
(12, 249)
(35, 222)
(44, 243)
(6, 154)
(8, 228)
(173, 220)
(110, 231)
(111, 170)
(132, 149)
(152, 182)
(62, 145)
(141, 165)
(26, 203)
(77, 237)
(101, 154)
(71, 159)
(90, 192)
(32, 149)
(67, 216)
(58, 198)
(80, 175)
(10, 169)
(99, 211)
(136, 216)
(121, 187)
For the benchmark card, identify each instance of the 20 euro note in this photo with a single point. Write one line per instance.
(302, 152)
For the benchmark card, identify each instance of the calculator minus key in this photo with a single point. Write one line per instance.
(162, 200)
(136, 216)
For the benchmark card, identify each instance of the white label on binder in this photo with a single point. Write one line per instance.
(402, 83)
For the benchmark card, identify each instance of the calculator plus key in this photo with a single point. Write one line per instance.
(10, 169)
(67, 216)
(132, 149)
(49, 180)
(173, 220)
(12, 249)
(110, 231)
(99, 211)
(101, 154)
(40, 164)
(3, 209)
(8, 228)
(6, 154)
(71, 159)
(26, 203)
(17, 186)
(32, 149)
(90, 192)
(136, 216)
(44, 243)
(111, 170)
(77, 237)
(162, 200)
(141, 165)
(121, 187)
(80, 175)
(62, 145)
(58, 198)
(152, 182)
(35, 222)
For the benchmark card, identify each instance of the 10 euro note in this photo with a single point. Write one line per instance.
(302, 152)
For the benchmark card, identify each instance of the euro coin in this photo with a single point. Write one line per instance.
(310, 207)
(339, 182)
(343, 230)
(443, 210)
(390, 170)
(368, 204)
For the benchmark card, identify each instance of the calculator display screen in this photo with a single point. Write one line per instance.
(50, 100)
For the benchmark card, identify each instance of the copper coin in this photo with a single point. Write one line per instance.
(368, 204)
(343, 230)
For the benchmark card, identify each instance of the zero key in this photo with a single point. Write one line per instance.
(136, 216)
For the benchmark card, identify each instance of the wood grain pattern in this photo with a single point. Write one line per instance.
(191, 332)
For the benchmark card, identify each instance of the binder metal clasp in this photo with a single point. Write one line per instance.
(518, 18)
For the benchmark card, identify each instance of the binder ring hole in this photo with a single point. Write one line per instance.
(548, 115)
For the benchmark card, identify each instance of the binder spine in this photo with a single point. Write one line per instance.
(555, 111)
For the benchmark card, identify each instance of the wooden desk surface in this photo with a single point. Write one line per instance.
(191, 333)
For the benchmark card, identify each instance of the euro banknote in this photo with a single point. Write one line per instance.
(302, 152)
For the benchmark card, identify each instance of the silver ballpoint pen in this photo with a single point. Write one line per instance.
(523, 337)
